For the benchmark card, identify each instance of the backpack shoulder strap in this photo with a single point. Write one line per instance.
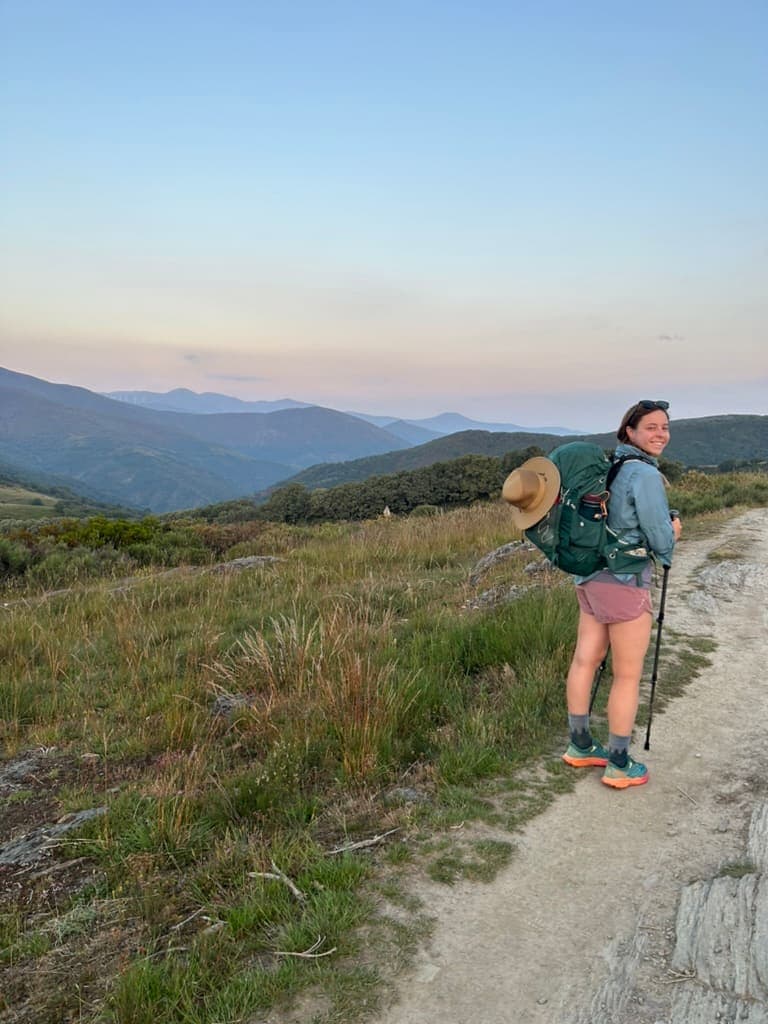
(617, 464)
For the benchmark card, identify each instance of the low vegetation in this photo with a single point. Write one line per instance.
(270, 750)
(440, 485)
(58, 552)
(25, 498)
(21, 503)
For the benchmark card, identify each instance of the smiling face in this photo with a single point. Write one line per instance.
(651, 433)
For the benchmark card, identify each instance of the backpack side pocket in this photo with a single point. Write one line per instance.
(581, 552)
(623, 555)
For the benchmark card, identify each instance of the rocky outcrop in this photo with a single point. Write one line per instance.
(717, 972)
(37, 844)
(721, 949)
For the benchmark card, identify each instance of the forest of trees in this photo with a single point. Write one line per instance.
(442, 485)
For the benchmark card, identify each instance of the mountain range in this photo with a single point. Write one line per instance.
(127, 452)
(413, 431)
(179, 450)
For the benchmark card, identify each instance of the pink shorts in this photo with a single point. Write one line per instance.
(613, 602)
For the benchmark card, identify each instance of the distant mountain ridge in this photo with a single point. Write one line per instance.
(184, 400)
(206, 403)
(454, 423)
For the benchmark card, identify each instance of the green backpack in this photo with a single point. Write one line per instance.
(574, 535)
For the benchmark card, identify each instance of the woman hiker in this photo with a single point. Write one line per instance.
(615, 609)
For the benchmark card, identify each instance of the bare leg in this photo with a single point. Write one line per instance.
(591, 648)
(629, 643)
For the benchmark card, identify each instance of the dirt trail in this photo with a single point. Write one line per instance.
(580, 927)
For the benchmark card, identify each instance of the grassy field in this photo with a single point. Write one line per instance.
(17, 503)
(238, 732)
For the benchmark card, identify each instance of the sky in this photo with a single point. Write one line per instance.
(529, 212)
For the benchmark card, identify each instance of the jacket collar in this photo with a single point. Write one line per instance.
(624, 449)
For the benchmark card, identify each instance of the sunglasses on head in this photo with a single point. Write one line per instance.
(647, 403)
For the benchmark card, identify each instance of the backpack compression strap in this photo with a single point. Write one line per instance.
(595, 506)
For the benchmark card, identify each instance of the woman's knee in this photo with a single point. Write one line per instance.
(588, 659)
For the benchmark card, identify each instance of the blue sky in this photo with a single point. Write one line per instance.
(527, 212)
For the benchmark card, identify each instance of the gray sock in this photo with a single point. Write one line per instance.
(579, 727)
(618, 749)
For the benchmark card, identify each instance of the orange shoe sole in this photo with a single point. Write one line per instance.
(625, 783)
(585, 762)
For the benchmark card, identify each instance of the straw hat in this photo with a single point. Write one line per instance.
(531, 491)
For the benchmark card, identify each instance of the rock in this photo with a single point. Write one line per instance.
(226, 704)
(405, 795)
(12, 775)
(722, 941)
(534, 568)
(494, 557)
(36, 844)
(495, 596)
(757, 843)
(248, 562)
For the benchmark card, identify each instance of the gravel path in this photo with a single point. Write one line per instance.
(598, 919)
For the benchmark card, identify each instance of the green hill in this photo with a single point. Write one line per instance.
(444, 449)
(707, 441)
(25, 496)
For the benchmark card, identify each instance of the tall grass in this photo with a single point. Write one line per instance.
(699, 492)
(325, 688)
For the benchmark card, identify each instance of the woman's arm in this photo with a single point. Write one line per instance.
(653, 513)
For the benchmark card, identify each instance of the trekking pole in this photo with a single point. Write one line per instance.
(596, 684)
(659, 621)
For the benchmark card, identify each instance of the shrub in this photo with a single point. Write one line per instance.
(64, 567)
(425, 510)
(14, 558)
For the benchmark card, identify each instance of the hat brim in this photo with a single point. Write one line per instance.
(549, 474)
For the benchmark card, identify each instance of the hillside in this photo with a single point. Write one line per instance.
(444, 449)
(296, 437)
(129, 462)
(411, 432)
(707, 441)
(115, 452)
(25, 496)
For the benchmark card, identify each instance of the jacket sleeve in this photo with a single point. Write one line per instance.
(653, 514)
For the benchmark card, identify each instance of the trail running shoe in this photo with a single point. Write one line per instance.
(592, 756)
(633, 774)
